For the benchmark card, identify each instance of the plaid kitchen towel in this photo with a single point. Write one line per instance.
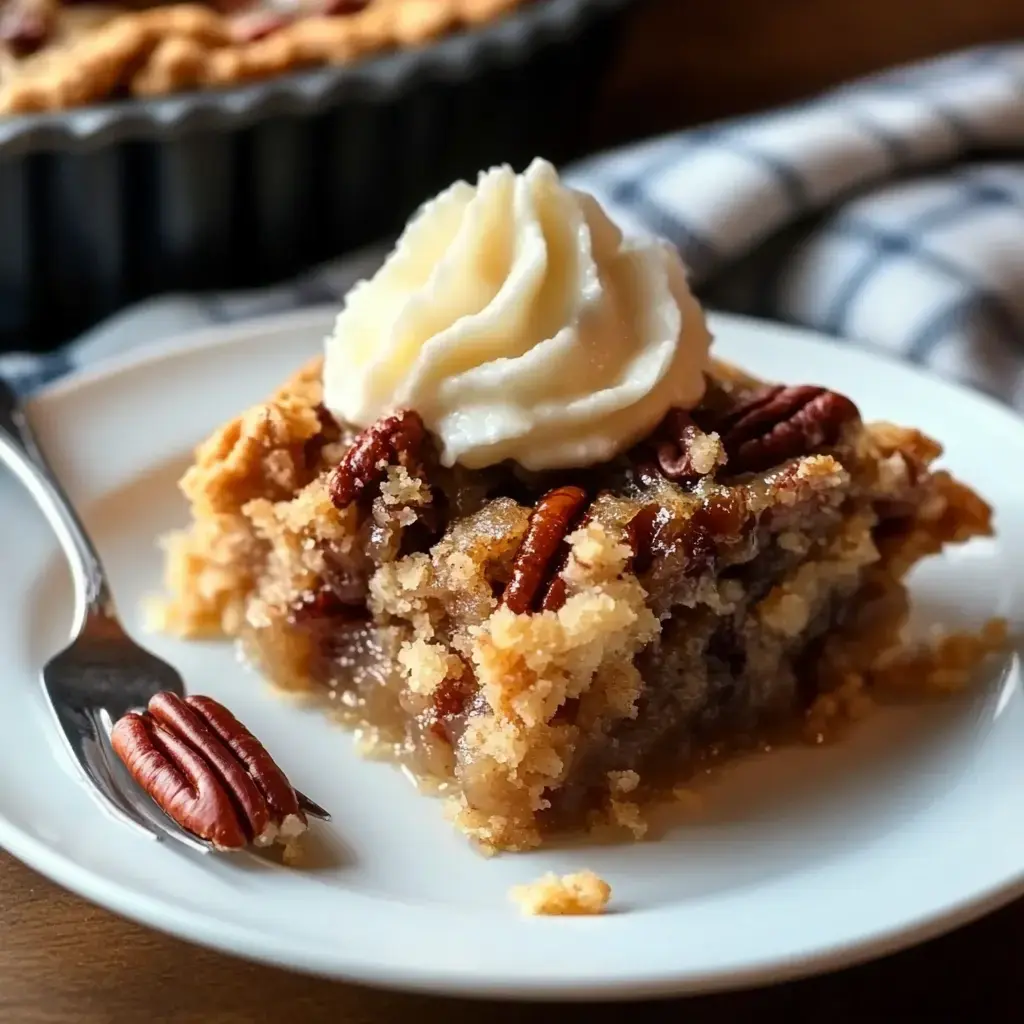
(889, 212)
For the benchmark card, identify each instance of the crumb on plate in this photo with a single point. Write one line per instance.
(581, 893)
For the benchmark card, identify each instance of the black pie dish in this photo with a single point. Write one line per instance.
(105, 205)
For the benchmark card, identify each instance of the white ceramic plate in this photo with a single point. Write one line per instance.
(803, 860)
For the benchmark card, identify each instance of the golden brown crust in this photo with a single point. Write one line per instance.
(184, 46)
(177, 62)
(246, 487)
(258, 455)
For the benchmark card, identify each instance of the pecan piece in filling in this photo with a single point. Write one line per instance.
(395, 440)
(552, 520)
(782, 423)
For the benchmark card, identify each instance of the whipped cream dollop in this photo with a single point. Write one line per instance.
(517, 320)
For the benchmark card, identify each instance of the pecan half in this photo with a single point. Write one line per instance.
(684, 452)
(395, 440)
(720, 519)
(207, 772)
(556, 592)
(782, 423)
(654, 533)
(645, 535)
(550, 523)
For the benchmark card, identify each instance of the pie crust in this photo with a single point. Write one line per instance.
(54, 57)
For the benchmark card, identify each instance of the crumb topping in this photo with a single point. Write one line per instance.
(257, 455)
(428, 666)
(581, 893)
(706, 451)
(623, 782)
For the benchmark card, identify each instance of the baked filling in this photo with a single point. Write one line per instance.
(550, 648)
(55, 55)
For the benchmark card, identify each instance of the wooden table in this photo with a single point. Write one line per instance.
(688, 61)
(62, 960)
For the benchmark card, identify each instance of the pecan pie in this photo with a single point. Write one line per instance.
(523, 532)
(56, 54)
(538, 650)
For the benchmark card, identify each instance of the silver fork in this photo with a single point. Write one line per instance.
(102, 673)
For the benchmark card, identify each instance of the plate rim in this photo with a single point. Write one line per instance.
(237, 940)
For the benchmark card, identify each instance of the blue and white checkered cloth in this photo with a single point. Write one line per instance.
(889, 213)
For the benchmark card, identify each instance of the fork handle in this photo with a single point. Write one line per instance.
(20, 452)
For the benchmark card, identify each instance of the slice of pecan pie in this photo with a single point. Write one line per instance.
(543, 646)
(529, 538)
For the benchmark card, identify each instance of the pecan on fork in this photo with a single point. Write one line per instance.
(207, 772)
